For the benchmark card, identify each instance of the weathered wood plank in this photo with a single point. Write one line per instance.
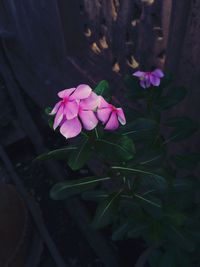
(35, 49)
(176, 36)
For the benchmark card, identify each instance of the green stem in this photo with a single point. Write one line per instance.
(149, 103)
(132, 170)
(84, 134)
(96, 132)
(170, 139)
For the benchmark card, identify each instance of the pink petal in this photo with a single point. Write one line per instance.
(58, 117)
(154, 80)
(71, 110)
(71, 128)
(90, 103)
(158, 73)
(82, 91)
(66, 92)
(139, 74)
(88, 119)
(121, 116)
(55, 109)
(145, 83)
(103, 114)
(112, 123)
(103, 103)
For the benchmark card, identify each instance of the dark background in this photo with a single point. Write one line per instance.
(46, 46)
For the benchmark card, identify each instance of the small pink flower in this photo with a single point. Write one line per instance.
(110, 115)
(68, 107)
(76, 109)
(149, 77)
(85, 117)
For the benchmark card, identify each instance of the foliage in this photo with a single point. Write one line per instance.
(146, 199)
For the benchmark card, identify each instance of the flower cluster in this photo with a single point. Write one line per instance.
(149, 78)
(81, 108)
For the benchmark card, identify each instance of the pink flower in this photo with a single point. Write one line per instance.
(76, 104)
(149, 77)
(110, 115)
(78, 108)
(85, 117)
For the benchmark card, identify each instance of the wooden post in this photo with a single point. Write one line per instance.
(183, 55)
(183, 51)
(176, 36)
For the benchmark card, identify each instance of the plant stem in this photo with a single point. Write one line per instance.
(96, 132)
(144, 256)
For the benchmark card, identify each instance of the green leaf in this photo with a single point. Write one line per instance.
(129, 205)
(179, 121)
(189, 161)
(185, 189)
(138, 230)
(183, 126)
(150, 204)
(155, 258)
(122, 230)
(148, 201)
(174, 96)
(140, 170)
(51, 122)
(47, 110)
(140, 129)
(120, 148)
(138, 126)
(70, 188)
(128, 146)
(168, 259)
(102, 89)
(134, 89)
(167, 80)
(80, 156)
(183, 185)
(50, 118)
(94, 195)
(61, 153)
(106, 211)
(155, 183)
(148, 157)
(193, 231)
(177, 236)
(155, 232)
(131, 112)
(184, 259)
(174, 217)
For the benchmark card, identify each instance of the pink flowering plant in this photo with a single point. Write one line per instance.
(80, 108)
(134, 177)
(149, 78)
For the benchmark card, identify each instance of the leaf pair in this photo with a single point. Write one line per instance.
(77, 155)
(187, 161)
(115, 148)
(107, 208)
(73, 187)
(183, 127)
(173, 97)
(141, 129)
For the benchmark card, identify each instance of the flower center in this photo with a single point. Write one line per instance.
(113, 109)
(80, 109)
(65, 100)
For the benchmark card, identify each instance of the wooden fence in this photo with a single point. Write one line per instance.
(48, 45)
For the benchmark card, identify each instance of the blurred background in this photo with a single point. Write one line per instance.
(46, 46)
